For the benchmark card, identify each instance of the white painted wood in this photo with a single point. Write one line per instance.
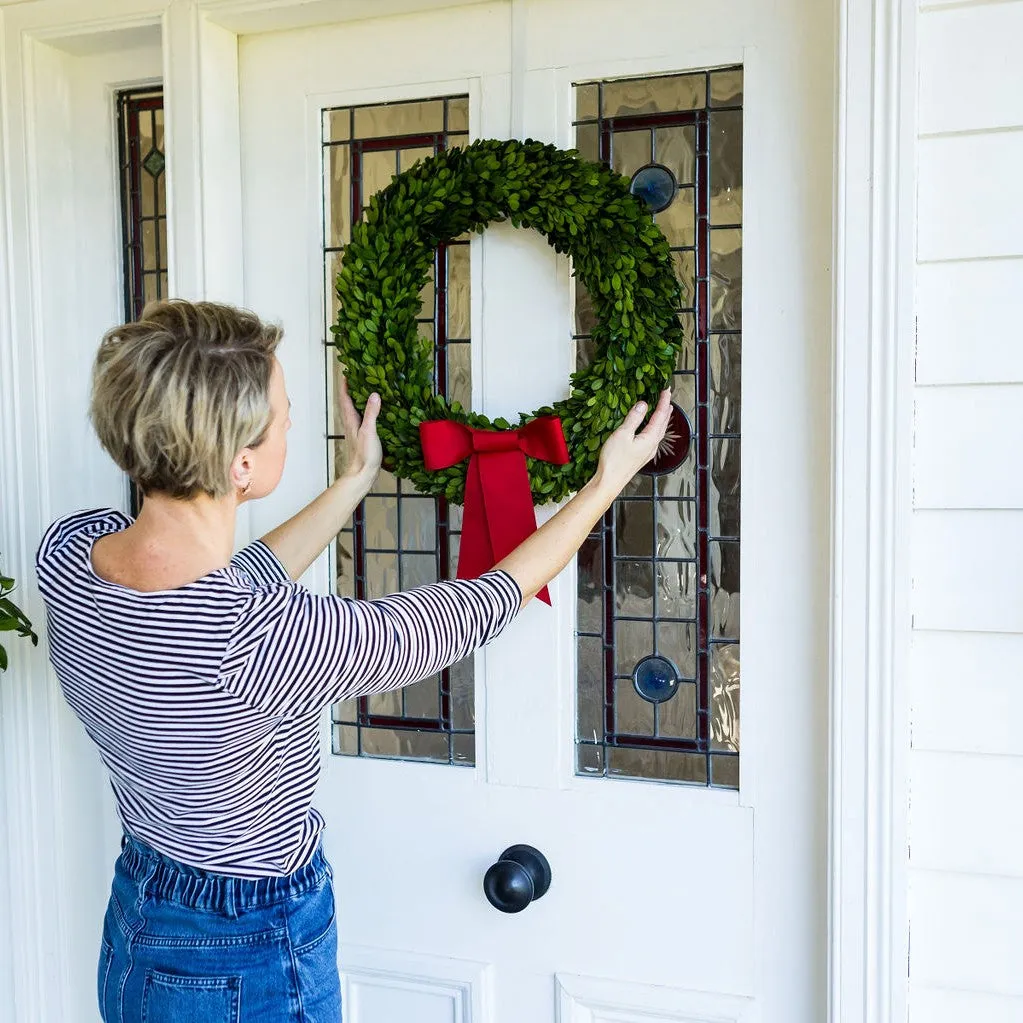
(970, 74)
(961, 810)
(460, 821)
(942, 1005)
(61, 235)
(967, 932)
(966, 317)
(981, 221)
(968, 441)
(967, 571)
(591, 1000)
(382, 984)
(967, 696)
(868, 922)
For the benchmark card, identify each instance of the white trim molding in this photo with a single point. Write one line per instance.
(871, 489)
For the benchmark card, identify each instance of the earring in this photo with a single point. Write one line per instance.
(246, 488)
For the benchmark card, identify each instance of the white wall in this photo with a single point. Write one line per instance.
(966, 768)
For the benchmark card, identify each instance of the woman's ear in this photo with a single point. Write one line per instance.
(241, 469)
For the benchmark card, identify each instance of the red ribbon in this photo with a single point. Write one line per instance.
(499, 511)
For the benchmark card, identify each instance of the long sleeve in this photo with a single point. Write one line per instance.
(293, 652)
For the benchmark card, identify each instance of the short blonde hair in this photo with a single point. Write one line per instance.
(176, 395)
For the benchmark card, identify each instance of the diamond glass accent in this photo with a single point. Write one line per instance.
(658, 603)
(141, 155)
(398, 538)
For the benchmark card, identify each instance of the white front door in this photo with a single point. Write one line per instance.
(680, 890)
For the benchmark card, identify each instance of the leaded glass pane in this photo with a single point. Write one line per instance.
(658, 599)
(399, 539)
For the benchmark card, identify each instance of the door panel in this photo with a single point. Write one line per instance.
(659, 891)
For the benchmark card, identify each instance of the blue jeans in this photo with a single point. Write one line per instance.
(182, 945)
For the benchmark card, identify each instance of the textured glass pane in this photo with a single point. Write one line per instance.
(331, 266)
(587, 141)
(419, 524)
(675, 147)
(676, 719)
(346, 740)
(586, 97)
(345, 566)
(458, 291)
(653, 95)
(677, 642)
(399, 119)
(678, 221)
(633, 714)
(454, 545)
(725, 696)
(676, 589)
(683, 393)
(460, 375)
(633, 641)
(458, 113)
(726, 383)
(676, 529)
(634, 588)
(726, 167)
(724, 771)
(149, 261)
(345, 712)
(634, 529)
(422, 700)
(388, 703)
(726, 88)
(426, 297)
(463, 696)
(630, 150)
(590, 759)
(724, 590)
(685, 272)
(726, 280)
(377, 171)
(724, 476)
(337, 171)
(590, 694)
(585, 317)
(463, 749)
(591, 585)
(151, 287)
(337, 125)
(668, 766)
(409, 157)
(381, 523)
(381, 575)
(409, 745)
(418, 570)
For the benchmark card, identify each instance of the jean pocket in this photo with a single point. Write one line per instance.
(170, 998)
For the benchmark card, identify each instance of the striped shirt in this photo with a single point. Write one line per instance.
(205, 700)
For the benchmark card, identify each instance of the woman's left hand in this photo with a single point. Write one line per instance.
(362, 451)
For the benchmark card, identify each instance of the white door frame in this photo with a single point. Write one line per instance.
(870, 450)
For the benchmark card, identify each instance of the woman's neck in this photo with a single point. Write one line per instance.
(172, 542)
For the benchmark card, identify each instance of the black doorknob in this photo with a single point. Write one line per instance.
(520, 876)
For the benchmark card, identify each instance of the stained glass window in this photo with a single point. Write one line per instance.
(142, 161)
(658, 602)
(399, 538)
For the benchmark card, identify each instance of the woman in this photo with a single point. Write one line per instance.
(201, 676)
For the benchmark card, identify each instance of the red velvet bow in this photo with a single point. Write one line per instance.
(499, 511)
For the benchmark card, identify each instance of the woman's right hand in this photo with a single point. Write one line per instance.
(628, 449)
(362, 451)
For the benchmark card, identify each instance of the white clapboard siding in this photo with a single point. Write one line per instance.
(966, 693)
(965, 932)
(969, 317)
(969, 447)
(965, 816)
(942, 1005)
(966, 658)
(970, 205)
(971, 77)
(968, 570)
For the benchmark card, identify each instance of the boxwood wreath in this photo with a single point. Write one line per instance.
(583, 209)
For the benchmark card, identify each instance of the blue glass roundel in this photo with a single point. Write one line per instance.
(655, 185)
(655, 679)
